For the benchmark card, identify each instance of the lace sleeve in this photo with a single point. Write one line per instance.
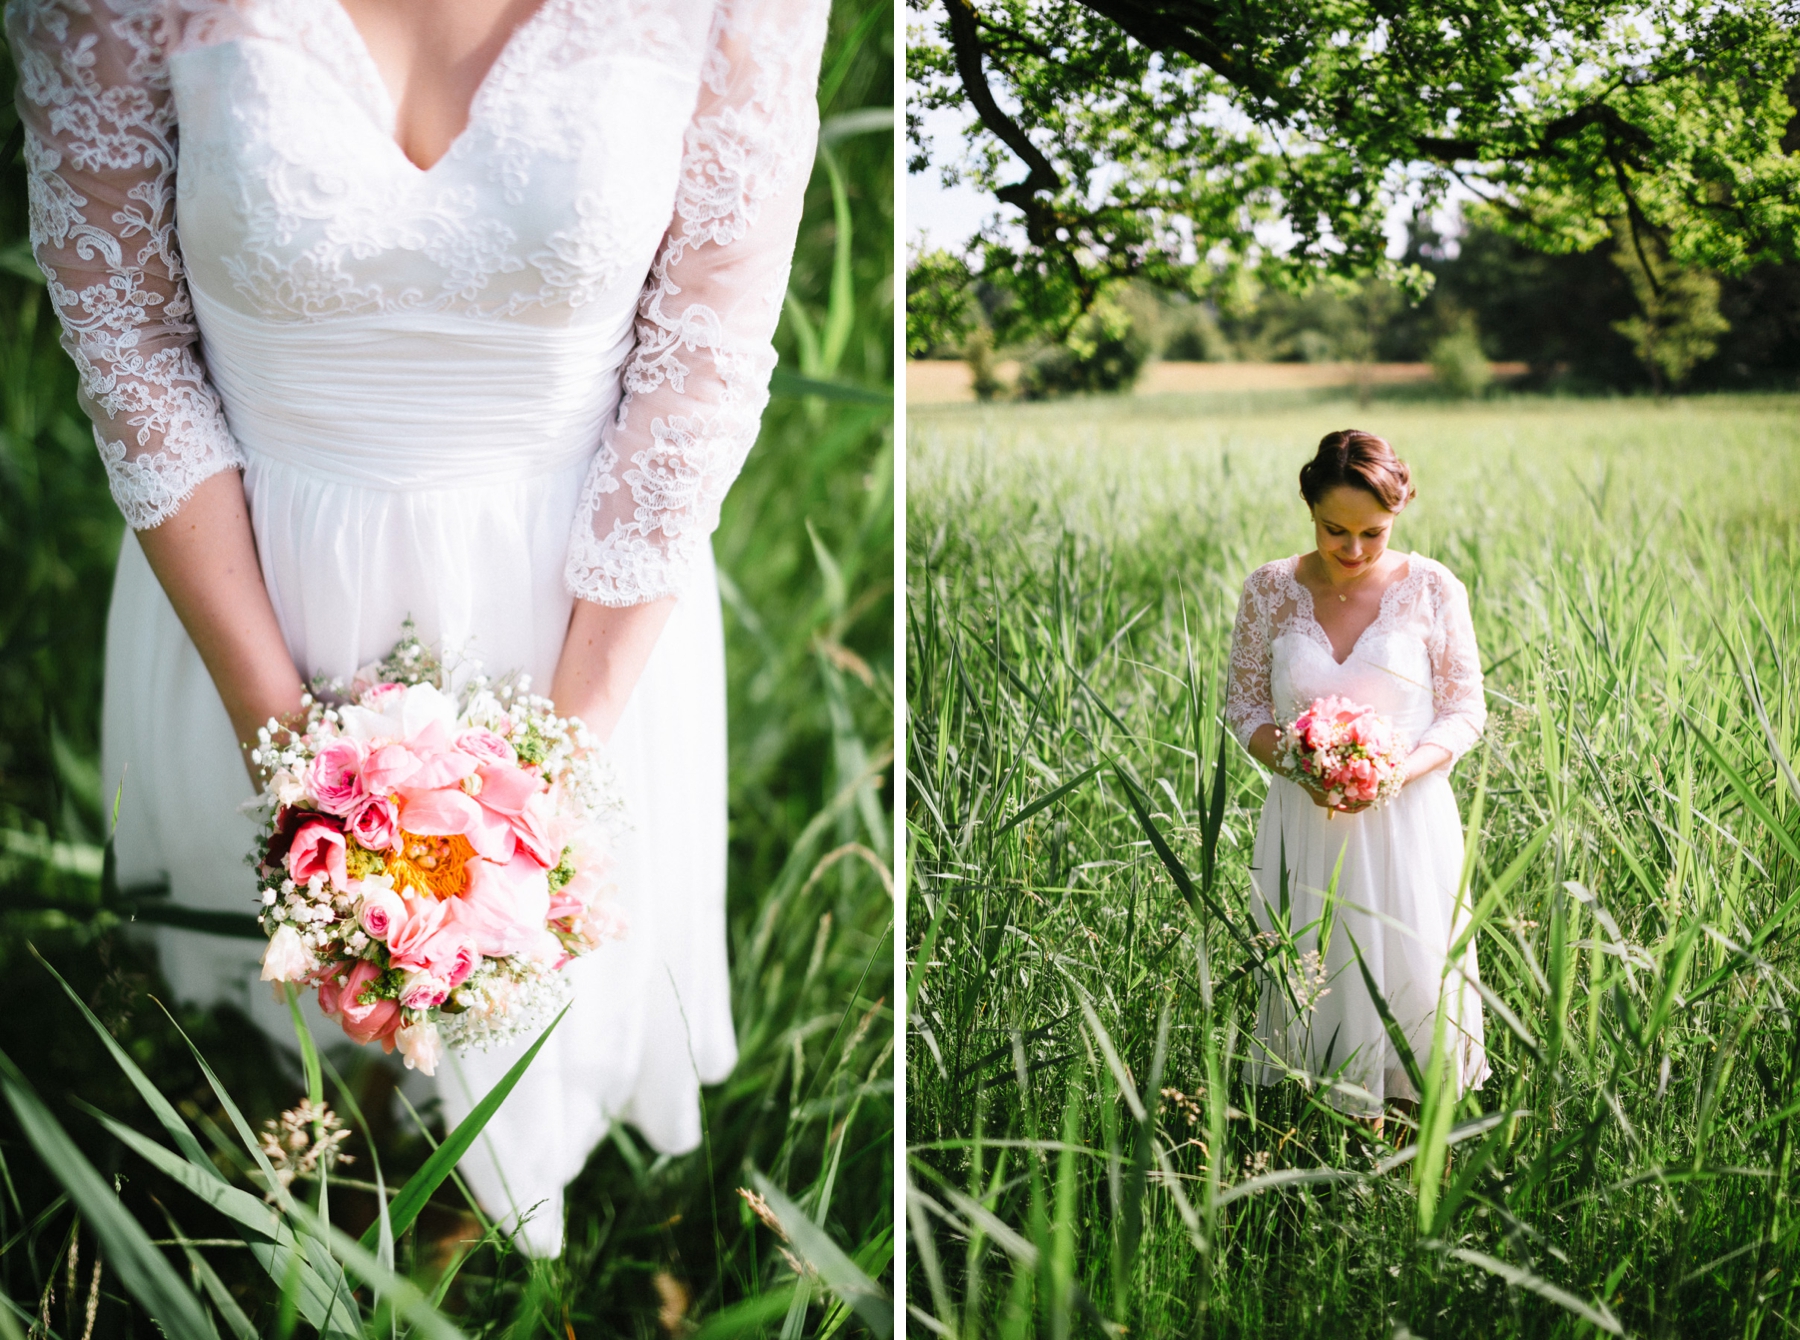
(1249, 698)
(1456, 695)
(696, 385)
(100, 153)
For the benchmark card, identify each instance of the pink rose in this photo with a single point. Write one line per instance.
(381, 913)
(363, 1021)
(451, 955)
(376, 826)
(377, 698)
(335, 777)
(421, 991)
(318, 849)
(486, 747)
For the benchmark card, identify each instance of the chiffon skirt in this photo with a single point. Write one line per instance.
(1395, 902)
(477, 564)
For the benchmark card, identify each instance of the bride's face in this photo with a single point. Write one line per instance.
(1351, 527)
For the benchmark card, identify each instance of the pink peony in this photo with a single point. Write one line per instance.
(505, 788)
(447, 811)
(376, 826)
(533, 831)
(424, 918)
(388, 768)
(335, 778)
(440, 762)
(506, 905)
(318, 849)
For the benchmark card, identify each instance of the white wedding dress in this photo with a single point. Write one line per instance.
(1417, 665)
(468, 395)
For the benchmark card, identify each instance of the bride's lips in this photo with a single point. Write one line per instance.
(1352, 563)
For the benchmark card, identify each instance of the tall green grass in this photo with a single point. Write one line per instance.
(657, 1245)
(1085, 1157)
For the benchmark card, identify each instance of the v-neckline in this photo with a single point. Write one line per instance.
(371, 73)
(1312, 606)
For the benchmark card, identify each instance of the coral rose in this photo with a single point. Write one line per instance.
(318, 849)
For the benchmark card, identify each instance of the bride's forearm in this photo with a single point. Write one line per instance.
(1424, 759)
(1262, 745)
(603, 656)
(205, 558)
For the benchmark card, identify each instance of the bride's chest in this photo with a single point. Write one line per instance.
(296, 203)
(1388, 667)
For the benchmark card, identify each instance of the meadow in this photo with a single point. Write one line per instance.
(1084, 1156)
(657, 1245)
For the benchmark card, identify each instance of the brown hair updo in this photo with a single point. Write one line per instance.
(1361, 461)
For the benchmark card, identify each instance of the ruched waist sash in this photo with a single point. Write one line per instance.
(415, 401)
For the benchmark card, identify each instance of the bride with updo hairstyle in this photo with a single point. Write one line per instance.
(1356, 619)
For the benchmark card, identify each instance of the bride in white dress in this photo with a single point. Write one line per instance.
(456, 311)
(1390, 631)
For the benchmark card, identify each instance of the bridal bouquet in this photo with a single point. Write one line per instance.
(1346, 750)
(433, 855)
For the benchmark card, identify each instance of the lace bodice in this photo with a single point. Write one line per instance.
(631, 177)
(1417, 663)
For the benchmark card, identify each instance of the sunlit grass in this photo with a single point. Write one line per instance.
(1073, 571)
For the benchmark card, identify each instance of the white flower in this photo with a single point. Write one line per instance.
(286, 959)
(421, 1046)
(286, 788)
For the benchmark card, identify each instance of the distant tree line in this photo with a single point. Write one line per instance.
(1582, 321)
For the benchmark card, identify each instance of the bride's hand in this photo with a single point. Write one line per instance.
(1318, 797)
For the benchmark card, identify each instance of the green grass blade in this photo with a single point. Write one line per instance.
(840, 1273)
(143, 1269)
(1045, 802)
(222, 1301)
(1596, 1314)
(163, 1109)
(1395, 1035)
(411, 1198)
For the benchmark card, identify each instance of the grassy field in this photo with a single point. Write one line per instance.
(1084, 1157)
(657, 1245)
